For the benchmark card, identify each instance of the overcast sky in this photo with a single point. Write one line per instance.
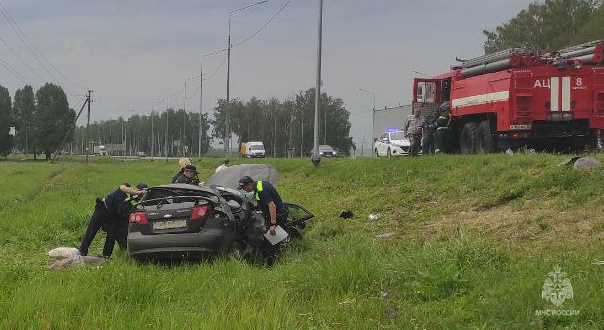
(135, 52)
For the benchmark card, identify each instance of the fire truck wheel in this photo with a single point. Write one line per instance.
(467, 140)
(484, 140)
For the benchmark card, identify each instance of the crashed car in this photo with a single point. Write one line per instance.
(250, 243)
(188, 222)
(180, 221)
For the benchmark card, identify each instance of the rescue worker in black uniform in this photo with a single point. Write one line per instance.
(189, 176)
(272, 207)
(111, 213)
(442, 128)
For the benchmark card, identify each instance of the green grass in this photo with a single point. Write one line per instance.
(473, 240)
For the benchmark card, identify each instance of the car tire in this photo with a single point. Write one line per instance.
(377, 154)
(467, 139)
(483, 138)
(388, 153)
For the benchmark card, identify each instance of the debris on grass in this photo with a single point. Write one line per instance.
(63, 252)
(384, 236)
(373, 216)
(581, 163)
(77, 260)
(585, 164)
(346, 214)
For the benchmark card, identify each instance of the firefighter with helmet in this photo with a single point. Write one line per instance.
(442, 127)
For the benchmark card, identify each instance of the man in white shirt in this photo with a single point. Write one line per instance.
(413, 130)
(223, 166)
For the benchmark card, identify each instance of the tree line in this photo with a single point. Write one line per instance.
(41, 121)
(548, 26)
(285, 127)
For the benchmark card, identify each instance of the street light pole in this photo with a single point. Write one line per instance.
(227, 137)
(316, 158)
(200, 105)
(152, 129)
(372, 114)
(166, 137)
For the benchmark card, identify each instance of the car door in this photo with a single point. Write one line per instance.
(297, 214)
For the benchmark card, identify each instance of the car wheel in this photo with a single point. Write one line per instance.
(377, 154)
(484, 139)
(388, 153)
(467, 140)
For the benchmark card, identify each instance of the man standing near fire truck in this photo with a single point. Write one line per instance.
(413, 131)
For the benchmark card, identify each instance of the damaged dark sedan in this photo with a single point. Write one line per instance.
(188, 222)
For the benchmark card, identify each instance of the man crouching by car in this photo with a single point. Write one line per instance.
(111, 213)
(272, 207)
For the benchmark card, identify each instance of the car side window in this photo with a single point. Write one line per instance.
(383, 137)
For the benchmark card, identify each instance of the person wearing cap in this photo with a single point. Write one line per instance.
(273, 210)
(269, 201)
(224, 165)
(111, 213)
(182, 163)
(189, 176)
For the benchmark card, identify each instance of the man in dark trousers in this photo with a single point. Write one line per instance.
(189, 176)
(112, 214)
(272, 207)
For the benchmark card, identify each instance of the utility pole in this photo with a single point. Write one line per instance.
(167, 115)
(227, 138)
(316, 158)
(152, 129)
(200, 105)
(184, 124)
(302, 137)
(275, 134)
(88, 100)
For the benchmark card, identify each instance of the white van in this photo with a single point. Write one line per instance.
(253, 149)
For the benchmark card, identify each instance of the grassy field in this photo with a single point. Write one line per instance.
(470, 243)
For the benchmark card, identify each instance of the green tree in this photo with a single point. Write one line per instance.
(24, 110)
(593, 29)
(6, 121)
(286, 127)
(53, 118)
(542, 27)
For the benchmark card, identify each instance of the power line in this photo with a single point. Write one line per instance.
(19, 58)
(265, 24)
(253, 34)
(14, 72)
(20, 33)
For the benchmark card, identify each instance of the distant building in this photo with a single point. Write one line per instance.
(389, 118)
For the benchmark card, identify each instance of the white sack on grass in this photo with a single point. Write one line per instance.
(78, 260)
(63, 252)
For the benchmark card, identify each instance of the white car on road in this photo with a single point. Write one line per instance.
(392, 143)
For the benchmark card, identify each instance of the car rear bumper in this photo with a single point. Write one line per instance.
(180, 246)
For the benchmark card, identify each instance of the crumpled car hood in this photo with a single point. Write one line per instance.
(229, 177)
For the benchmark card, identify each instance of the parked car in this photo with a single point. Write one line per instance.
(253, 149)
(393, 143)
(327, 151)
(188, 222)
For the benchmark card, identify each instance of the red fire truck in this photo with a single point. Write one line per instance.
(517, 98)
